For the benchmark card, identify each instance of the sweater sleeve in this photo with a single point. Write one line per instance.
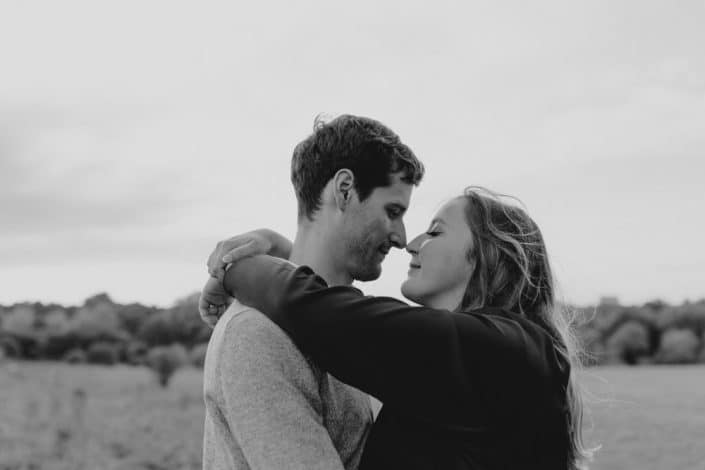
(270, 403)
(427, 363)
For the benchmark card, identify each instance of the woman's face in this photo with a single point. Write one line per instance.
(439, 271)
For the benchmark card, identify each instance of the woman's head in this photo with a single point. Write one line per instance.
(440, 268)
(480, 251)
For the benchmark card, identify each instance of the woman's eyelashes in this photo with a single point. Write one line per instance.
(433, 231)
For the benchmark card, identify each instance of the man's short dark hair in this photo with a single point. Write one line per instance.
(368, 148)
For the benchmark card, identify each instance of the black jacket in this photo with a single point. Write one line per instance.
(484, 389)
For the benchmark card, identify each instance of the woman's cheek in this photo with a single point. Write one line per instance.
(423, 244)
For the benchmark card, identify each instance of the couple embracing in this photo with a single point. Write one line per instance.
(479, 375)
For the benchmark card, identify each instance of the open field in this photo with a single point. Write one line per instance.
(57, 416)
(647, 417)
(122, 419)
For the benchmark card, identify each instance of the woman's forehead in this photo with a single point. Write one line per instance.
(451, 213)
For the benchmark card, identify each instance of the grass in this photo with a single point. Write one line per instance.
(57, 416)
(647, 417)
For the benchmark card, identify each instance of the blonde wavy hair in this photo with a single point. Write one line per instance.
(512, 271)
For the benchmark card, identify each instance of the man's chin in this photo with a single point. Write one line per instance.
(371, 273)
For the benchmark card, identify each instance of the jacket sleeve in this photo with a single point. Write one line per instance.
(408, 357)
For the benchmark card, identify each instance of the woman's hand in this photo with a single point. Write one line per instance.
(256, 242)
(214, 298)
(214, 301)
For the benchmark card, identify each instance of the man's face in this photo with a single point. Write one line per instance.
(373, 226)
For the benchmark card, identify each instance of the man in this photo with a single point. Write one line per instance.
(267, 406)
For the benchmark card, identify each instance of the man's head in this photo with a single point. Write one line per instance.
(355, 175)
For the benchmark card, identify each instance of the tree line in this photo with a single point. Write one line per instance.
(653, 333)
(102, 331)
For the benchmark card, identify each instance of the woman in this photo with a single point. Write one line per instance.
(481, 376)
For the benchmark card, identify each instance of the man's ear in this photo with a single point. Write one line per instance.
(343, 188)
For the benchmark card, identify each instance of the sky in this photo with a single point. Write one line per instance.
(134, 135)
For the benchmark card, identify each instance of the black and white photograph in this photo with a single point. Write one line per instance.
(368, 235)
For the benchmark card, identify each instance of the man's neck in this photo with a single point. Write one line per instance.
(313, 248)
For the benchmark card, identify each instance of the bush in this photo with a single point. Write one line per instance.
(20, 345)
(75, 356)
(57, 345)
(102, 353)
(55, 321)
(136, 353)
(20, 320)
(179, 324)
(678, 346)
(629, 342)
(10, 347)
(97, 320)
(687, 316)
(157, 330)
(197, 356)
(132, 316)
(165, 360)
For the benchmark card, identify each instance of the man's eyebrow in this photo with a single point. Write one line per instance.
(398, 205)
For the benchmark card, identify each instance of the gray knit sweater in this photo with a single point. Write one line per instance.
(269, 408)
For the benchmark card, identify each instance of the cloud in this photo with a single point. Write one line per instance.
(119, 143)
(57, 173)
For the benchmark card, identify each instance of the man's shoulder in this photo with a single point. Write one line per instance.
(241, 321)
(244, 332)
(247, 346)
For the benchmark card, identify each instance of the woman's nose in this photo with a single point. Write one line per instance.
(413, 246)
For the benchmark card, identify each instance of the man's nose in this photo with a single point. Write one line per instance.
(398, 236)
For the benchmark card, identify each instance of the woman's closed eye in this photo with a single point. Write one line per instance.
(433, 231)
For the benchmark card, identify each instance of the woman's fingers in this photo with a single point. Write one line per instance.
(204, 311)
(234, 249)
(216, 266)
(213, 302)
(213, 261)
(252, 247)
